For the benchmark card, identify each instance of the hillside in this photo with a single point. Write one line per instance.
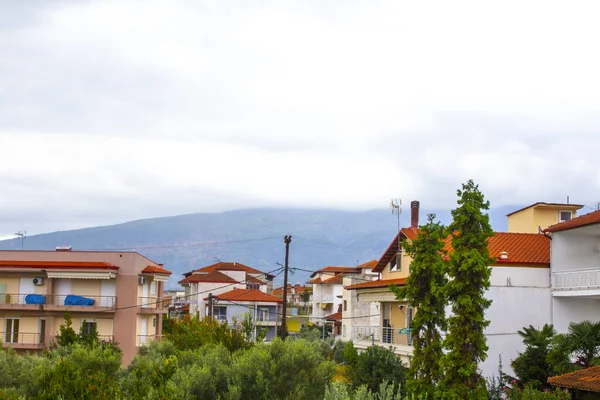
(253, 237)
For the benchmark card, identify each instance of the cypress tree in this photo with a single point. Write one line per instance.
(424, 291)
(469, 272)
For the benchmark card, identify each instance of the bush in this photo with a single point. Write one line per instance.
(374, 366)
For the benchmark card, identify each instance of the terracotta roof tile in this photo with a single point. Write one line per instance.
(334, 280)
(230, 266)
(334, 317)
(252, 279)
(154, 269)
(212, 277)
(380, 283)
(405, 233)
(585, 379)
(521, 248)
(582, 220)
(316, 280)
(248, 295)
(297, 288)
(58, 264)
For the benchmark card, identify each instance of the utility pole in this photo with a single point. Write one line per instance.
(287, 240)
(210, 306)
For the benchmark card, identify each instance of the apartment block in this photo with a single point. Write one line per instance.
(120, 293)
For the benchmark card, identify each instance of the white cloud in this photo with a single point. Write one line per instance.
(118, 110)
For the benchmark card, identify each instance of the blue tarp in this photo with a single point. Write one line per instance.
(72, 300)
(35, 299)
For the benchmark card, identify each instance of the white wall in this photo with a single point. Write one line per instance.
(575, 249)
(574, 309)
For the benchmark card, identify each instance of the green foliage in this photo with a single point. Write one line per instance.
(469, 274)
(86, 338)
(375, 365)
(67, 335)
(341, 391)
(425, 291)
(530, 393)
(581, 342)
(191, 333)
(532, 367)
(497, 386)
(350, 355)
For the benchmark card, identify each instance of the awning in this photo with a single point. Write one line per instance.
(81, 274)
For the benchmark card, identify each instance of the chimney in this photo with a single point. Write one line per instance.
(414, 214)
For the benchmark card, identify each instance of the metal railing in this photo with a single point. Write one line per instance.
(144, 340)
(153, 302)
(383, 335)
(21, 338)
(76, 300)
(576, 279)
(15, 298)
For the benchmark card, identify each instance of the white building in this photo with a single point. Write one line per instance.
(575, 265)
(220, 278)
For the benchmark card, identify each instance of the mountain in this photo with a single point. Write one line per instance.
(254, 237)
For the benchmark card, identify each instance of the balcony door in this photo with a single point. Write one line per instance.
(63, 289)
(26, 287)
(11, 330)
(107, 293)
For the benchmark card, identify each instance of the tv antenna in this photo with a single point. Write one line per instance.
(22, 235)
(396, 206)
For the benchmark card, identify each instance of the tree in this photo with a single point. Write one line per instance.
(581, 343)
(88, 338)
(469, 272)
(376, 365)
(67, 334)
(424, 291)
(532, 366)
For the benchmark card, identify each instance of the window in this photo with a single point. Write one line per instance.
(89, 327)
(396, 262)
(220, 313)
(154, 322)
(345, 305)
(263, 314)
(564, 216)
(153, 286)
(42, 330)
(12, 330)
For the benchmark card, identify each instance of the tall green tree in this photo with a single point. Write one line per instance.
(532, 366)
(424, 291)
(67, 335)
(469, 272)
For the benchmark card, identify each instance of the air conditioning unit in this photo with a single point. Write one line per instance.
(141, 280)
(38, 281)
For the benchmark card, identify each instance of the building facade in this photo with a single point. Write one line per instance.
(118, 293)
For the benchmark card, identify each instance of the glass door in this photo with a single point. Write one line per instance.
(12, 330)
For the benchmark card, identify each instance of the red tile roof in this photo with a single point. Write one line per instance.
(369, 264)
(57, 264)
(154, 269)
(405, 233)
(334, 317)
(583, 220)
(380, 283)
(212, 277)
(586, 379)
(248, 295)
(521, 248)
(316, 280)
(297, 288)
(334, 280)
(338, 269)
(545, 205)
(230, 266)
(252, 279)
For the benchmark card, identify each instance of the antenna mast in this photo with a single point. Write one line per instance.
(396, 206)
(22, 235)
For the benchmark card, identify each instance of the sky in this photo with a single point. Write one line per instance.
(112, 111)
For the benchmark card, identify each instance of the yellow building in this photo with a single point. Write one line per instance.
(117, 293)
(539, 216)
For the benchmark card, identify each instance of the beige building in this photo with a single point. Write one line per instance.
(120, 293)
(539, 216)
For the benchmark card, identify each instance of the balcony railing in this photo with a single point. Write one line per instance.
(384, 336)
(22, 339)
(145, 340)
(72, 300)
(14, 299)
(327, 298)
(579, 279)
(153, 302)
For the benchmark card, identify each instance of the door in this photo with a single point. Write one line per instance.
(42, 330)
(3, 299)
(143, 331)
(26, 287)
(12, 330)
(107, 293)
(145, 294)
(63, 289)
(387, 326)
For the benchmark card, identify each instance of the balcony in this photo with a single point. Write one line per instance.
(13, 301)
(568, 282)
(145, 340)
(327, 298)
(381, 336)
(153, 305)
(72, 303)
(19, 340)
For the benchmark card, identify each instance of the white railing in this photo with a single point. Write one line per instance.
(326, 298)
(576, 279)
(383, 336)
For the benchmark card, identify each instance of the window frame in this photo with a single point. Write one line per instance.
(222, 313)
(560, 219)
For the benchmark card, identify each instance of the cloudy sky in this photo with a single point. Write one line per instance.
(113, 111)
